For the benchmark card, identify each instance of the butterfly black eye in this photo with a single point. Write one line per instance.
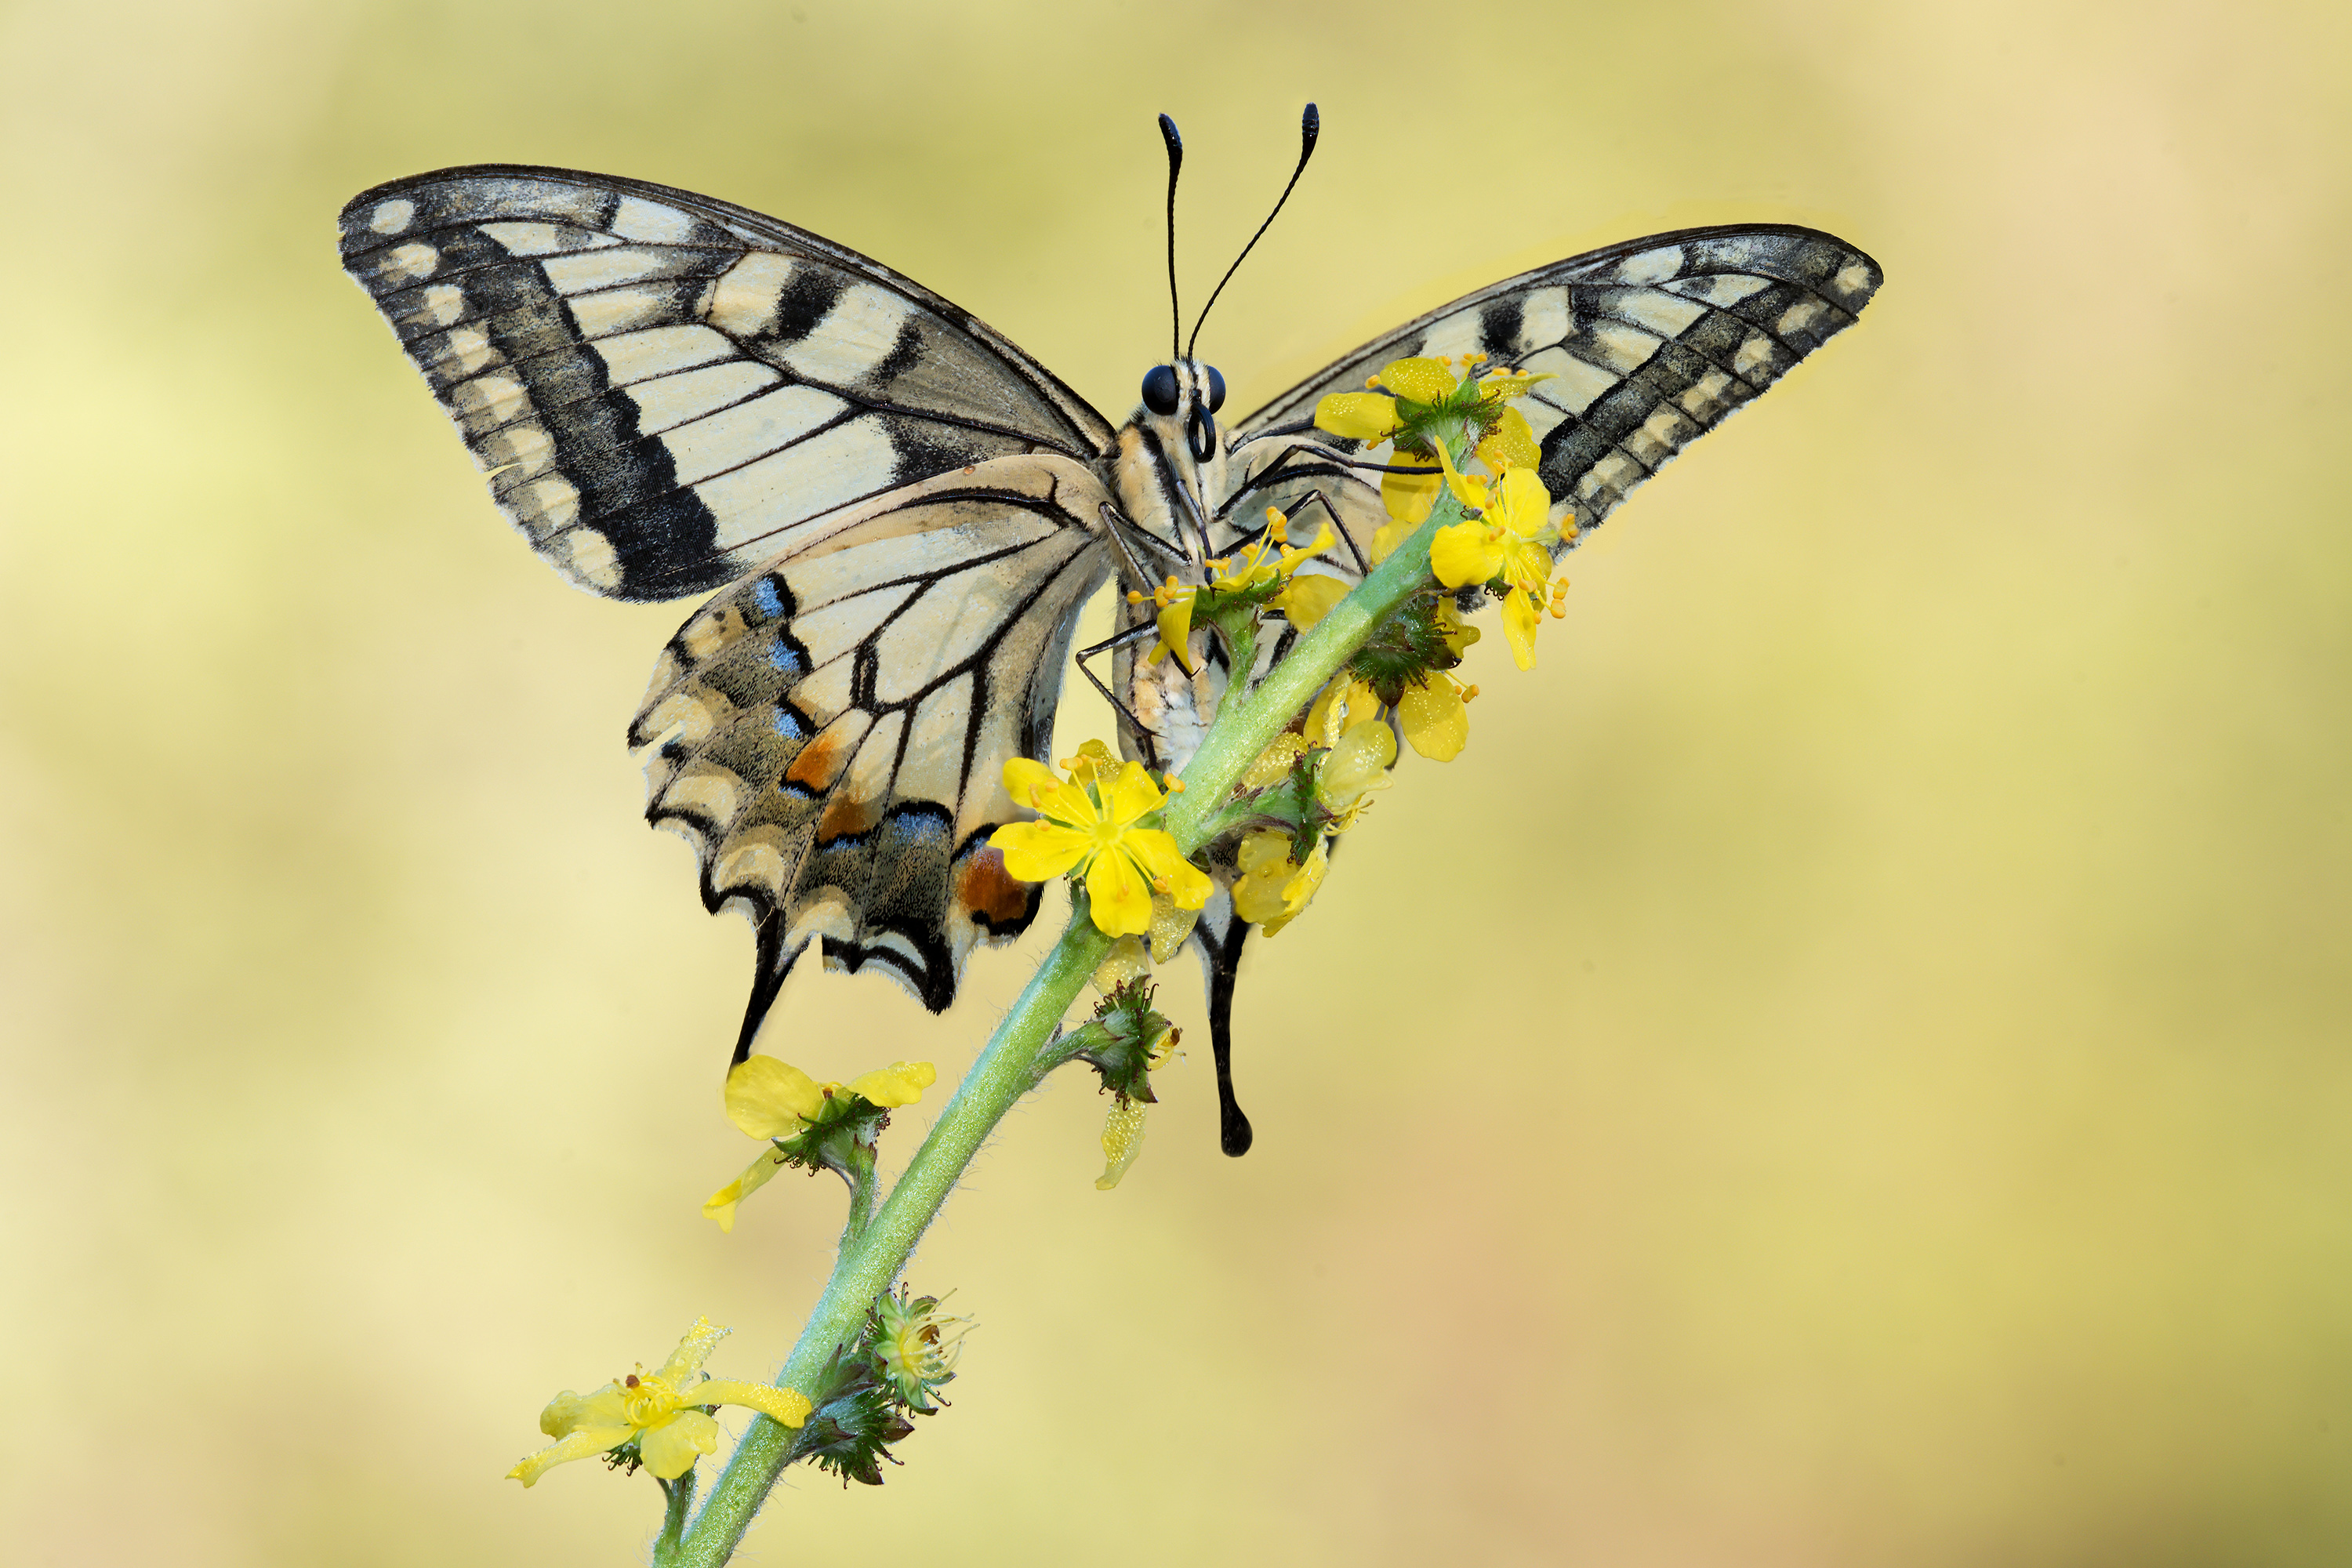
(1160, 390)
(1216, 390)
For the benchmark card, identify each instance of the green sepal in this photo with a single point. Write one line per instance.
(1118, 1041)
(1403, 648)
(839, 1138)
(850, 1432)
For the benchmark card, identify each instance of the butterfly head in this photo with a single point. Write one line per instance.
(1181, 400)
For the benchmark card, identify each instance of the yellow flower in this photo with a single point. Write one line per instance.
(1091, 827)
(660, 1411)
(1425, 403)
(770, 1099)
(1507, 542)
(1274, 889)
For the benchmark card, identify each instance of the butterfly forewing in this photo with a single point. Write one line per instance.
(1649, 344)
(669, 391)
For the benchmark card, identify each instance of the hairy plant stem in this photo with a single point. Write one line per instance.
(1014, 1060)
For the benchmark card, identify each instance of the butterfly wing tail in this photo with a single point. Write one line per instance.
(1221, 935)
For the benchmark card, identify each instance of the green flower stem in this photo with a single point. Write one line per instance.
(680, 1493)
(875, 1249)
(1246, 729)
(863, 1188)
(1007, 1070)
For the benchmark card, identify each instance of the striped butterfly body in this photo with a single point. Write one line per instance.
(902, 514)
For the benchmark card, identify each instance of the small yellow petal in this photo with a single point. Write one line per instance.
(584, 1444)
(788, 1405)
(1309, 599)
(1524, 502)
(769, 1099)
(671, 1448)
(1358, 762)
(1512, 441)
(685, 1364)
(1358, 415)
(1461, 554)
(1119, 899)
(1128, 960)
(1026, 779)
(1520, 619)
(1122, 1140)
(1408, 498)
(1262, 851)
(1131, 796)
(1388, 536)
(721, 1205)
(1274, 764)
(1155, 852)
(1421, 380)
(900, 1083)
(1039, 851)
(1436, 721)
(1172, 924)
(1175, 634)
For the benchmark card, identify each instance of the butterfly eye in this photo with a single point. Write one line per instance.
(1216, 390)
(1160, 390)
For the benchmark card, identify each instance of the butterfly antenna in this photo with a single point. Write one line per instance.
(1175, 164)
(1311, 125)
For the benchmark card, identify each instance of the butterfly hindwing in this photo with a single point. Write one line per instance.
(669, 391)
(1650, 345)
(831, 732)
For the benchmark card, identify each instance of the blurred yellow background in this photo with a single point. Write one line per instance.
(1848, 1068)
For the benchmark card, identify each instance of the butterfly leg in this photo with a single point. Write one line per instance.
(1339, 526)
(1127, 715)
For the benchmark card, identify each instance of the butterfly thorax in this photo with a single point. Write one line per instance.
(1172, 476)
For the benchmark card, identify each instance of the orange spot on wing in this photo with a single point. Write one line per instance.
(984, 887)
(845, 816)
(819, 763)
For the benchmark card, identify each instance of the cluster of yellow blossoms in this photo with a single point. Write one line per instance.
(1094, 822)
(1505, 542)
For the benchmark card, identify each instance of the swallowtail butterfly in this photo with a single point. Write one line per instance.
(897, 515)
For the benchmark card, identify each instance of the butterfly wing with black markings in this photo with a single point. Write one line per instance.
(1650, 344)
(673, 394)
